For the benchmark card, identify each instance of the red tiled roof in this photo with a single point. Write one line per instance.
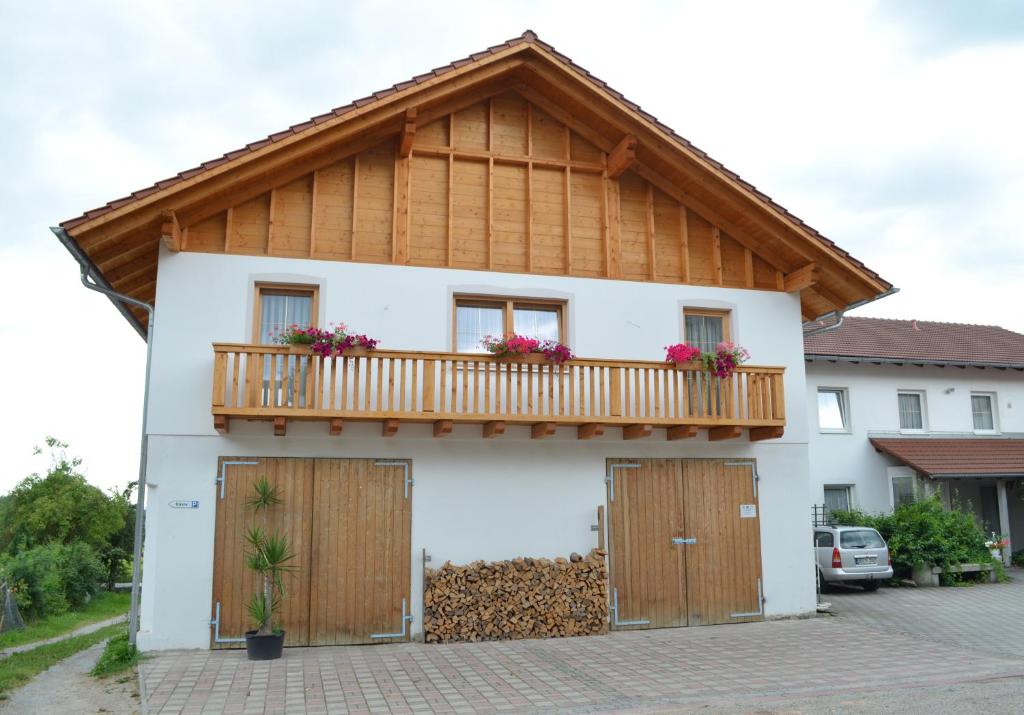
(956, 457)
(918, 340)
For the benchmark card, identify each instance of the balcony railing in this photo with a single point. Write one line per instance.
(280, 383)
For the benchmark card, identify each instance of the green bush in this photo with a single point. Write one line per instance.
(50, 579)
(924, 532)
(118, 655)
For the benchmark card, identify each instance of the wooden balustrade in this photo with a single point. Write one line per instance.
(283, 383)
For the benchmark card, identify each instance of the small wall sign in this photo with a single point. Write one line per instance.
(184, 504)
(748, 511)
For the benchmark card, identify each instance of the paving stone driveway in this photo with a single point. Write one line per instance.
(892, 639)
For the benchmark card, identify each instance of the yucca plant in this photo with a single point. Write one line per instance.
(268, 555)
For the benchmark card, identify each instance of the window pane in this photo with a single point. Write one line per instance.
(910, 411)
(861, 539)
(277, 312)
(539, 323)
(704, 331)
(837, 498)
(474, 323)
(831, 410)
(902, 491)
(824, 539)
(981, 406)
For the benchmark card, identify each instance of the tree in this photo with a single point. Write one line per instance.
(61, 507)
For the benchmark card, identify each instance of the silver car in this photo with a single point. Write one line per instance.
(851, 554)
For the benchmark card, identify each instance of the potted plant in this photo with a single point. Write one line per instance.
(996, 545)
(325, 343)
(727, 357)
(268, 556)
(519, 348)
(682, 355)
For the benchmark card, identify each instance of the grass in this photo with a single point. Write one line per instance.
(19, 668)
(119, 655)
(107, 604)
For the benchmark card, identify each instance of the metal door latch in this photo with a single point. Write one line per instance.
(680, 540)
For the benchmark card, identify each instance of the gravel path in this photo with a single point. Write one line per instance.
(67, 687)
(63, 637)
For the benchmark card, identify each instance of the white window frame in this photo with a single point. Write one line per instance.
(924, 411)
(993, 402)
(901, 473)
(844, 409)
(850, 503)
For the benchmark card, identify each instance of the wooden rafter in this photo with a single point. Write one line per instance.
(408, 132)
(622, 157)
(170, 231)
(803, 277)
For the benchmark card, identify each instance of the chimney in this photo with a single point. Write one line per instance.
(913, 324)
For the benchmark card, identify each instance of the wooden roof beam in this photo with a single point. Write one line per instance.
(170, 231)
(408, 133)
(803, 277)
(622, 157)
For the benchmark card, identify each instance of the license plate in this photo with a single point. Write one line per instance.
(861, 560)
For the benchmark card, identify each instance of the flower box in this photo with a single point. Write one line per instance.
(928, 575)
(527, 359)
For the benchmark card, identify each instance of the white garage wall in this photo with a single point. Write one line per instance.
(473, 499)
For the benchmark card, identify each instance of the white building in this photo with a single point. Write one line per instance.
(509, 192)
(902, 408)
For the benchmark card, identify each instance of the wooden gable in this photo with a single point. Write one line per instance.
(512, 161)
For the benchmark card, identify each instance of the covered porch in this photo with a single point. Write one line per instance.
(985, 473)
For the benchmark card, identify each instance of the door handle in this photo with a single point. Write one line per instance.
(676, 540)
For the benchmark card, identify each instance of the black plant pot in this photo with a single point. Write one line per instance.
(264, 647)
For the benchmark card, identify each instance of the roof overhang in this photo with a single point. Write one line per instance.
(957, 458)
(121, 239)
(859, 359)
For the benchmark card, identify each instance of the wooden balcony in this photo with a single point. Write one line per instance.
(280, 384)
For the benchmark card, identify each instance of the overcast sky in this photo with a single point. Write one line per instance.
(893, 128)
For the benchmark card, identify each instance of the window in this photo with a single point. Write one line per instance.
(705, 329)
(911, 405)
(861, 539)
(983, 411)
(837, 498)
(278, 305)
(833, 414)
(824, 539)
(903, 491)
(476, 318)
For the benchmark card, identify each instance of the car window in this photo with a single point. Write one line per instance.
(861, 539)
(823, 538)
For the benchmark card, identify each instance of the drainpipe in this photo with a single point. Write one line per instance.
(839, 315)
(122, 301)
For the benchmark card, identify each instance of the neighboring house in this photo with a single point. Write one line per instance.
(904, 408)
(508, 191)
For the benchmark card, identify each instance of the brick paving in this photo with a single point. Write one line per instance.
(984, 617)
(626, 672)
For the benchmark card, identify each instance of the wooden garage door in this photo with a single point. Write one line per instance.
(684, 542)
(349, 523)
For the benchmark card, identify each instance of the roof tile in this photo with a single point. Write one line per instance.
(957, 457)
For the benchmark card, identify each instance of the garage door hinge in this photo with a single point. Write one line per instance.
(610, 477)
(408, 481)
(223, 473)
(754, 476)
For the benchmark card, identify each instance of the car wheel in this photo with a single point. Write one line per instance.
(822, 583)
(871, 585)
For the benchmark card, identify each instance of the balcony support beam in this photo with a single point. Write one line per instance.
(590, 430)
(680, 432)
(636, 431)
(542, 430)
(442, 427)
(493, 429)
(389, 428)
(280, 426)
(221, 424)
(759, 433)
(336, 427)
(717, 434)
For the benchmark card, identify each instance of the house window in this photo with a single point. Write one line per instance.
(478, 317)
(705, 329)
(833, 413)
(837, 498)
(278, 306)
(983, 411)
(911, 406)
(903, 489)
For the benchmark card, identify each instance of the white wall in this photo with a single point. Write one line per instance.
(848, 458)
(473, 499)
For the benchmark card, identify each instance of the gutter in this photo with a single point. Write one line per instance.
(856, 359)
(851, 306)
(121, 301)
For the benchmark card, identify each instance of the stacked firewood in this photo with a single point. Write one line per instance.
(521, 598)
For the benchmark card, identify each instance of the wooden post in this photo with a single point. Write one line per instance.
(600, 527)
(428, 386)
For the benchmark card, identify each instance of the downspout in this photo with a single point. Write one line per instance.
(122, 301)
